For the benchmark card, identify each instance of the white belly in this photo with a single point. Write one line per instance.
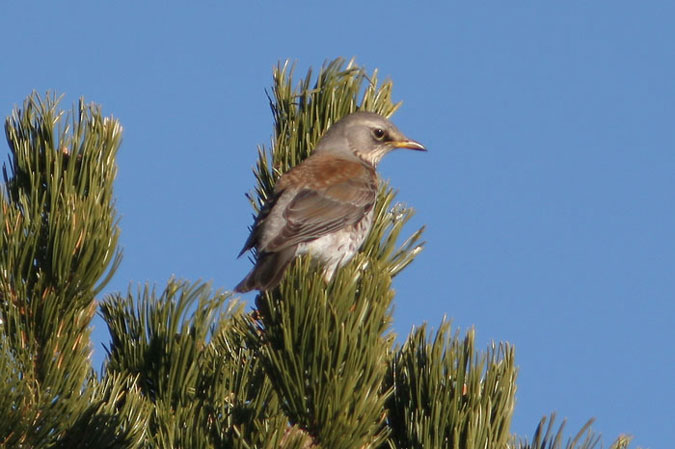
(336, 249)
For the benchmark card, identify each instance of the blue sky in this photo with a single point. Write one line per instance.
(547, 190)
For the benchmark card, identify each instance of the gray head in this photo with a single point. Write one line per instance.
(366, 135)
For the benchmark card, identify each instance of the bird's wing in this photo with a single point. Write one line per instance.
(331, 197)
(257, 228)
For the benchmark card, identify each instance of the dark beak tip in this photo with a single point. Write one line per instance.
(417, 147)
(411, 145)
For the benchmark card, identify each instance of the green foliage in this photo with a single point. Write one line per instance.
(156, 338)
(545, 438)
(445, 394)
(58, 234)
(116, 416)
(186, 353)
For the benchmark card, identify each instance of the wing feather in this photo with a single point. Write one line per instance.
(320, 196)
(327, 206)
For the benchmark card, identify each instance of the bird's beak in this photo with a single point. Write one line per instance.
(409, 144)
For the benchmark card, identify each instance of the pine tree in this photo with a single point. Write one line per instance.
(57, 251)
(313, 365)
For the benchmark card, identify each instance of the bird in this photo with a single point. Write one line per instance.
(323, 206)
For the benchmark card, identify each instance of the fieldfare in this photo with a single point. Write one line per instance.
(323, 206)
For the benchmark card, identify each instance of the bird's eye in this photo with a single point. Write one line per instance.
(378, 133)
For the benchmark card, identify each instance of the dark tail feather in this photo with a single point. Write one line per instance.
(267, 272)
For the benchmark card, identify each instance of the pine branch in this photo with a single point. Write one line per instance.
(545, 437)
(186, 351)
(445, 394)
(116, 416)
(58, 234)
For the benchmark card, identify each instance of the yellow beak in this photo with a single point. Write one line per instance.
(409, 144)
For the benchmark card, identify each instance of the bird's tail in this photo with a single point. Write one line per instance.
(267, 272)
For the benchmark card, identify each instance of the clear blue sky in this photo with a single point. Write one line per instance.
(548, 190)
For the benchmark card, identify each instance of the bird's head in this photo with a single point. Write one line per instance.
(366, 135)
